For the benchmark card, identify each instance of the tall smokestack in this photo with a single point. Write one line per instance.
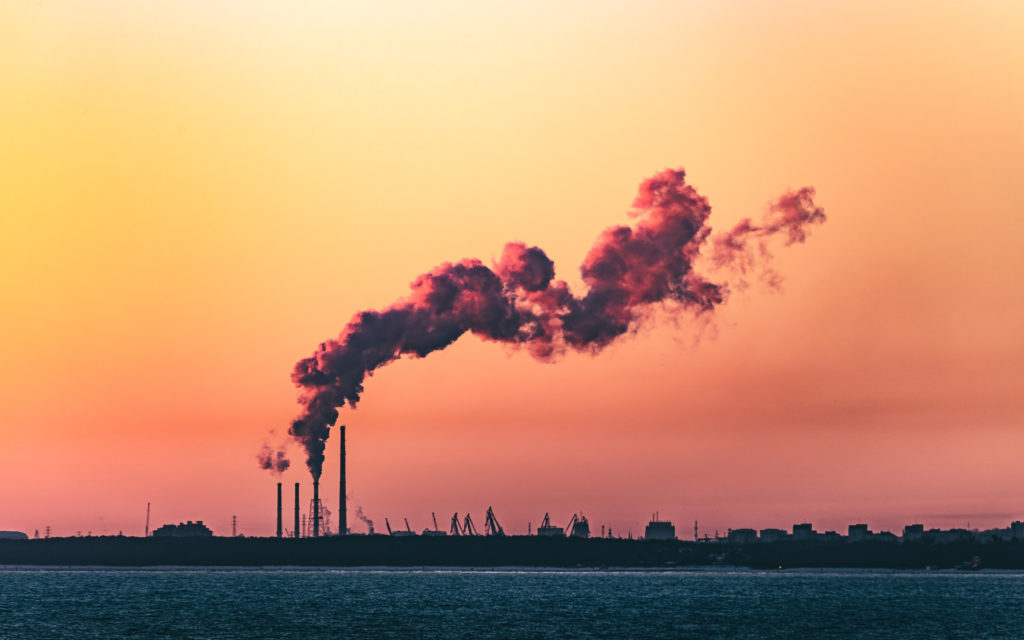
(279, 531)
(342, 498)
(316, 508)
(296, 533)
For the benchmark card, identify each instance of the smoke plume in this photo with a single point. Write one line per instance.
(518, 301)
(744, 248)
(275, 461)
(359, 514)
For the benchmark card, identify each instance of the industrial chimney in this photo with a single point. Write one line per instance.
(316, 508)
(342, 499)
(296, 532)
(279, 510)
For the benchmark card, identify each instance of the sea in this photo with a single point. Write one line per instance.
(313, 603)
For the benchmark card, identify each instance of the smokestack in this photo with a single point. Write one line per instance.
(342, 499)
(296, 532)
(279, 510)
(316, 508)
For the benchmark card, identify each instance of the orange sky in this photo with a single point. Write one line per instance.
(192, 198)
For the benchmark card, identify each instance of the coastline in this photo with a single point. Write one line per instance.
(510, 551)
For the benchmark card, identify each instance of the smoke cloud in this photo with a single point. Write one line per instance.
(275, 461)
(518, 301)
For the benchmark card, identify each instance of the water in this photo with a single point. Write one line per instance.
(466, 603)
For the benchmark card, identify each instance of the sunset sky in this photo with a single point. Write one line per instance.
(194, 195)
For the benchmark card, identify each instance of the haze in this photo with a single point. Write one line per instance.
(193, 196)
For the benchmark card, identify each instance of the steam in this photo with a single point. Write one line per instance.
(518, 301)
(367, 521)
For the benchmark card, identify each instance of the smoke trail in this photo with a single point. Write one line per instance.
(275, 461)
(745, 247)
(359, 514)
(629, 269)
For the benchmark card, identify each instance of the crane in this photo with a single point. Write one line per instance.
(491, 525)
(468, 528)
(407, 528)
(435, 532)
(456, 529)
(546, 529)
(388, 525)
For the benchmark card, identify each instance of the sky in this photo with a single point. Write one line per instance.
(194, 195)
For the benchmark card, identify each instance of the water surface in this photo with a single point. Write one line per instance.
(306, 603)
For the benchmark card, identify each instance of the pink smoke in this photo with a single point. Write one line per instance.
(275, 461)
(519, 301)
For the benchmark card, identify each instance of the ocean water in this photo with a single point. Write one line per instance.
(304, 603)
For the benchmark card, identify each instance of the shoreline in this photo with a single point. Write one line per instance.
(510, 551)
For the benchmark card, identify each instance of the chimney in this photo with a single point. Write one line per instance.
(316, 508)
(342, 498)
(278, 509)
(296, 532)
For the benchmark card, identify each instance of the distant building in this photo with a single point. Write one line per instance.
(804, 532)
(659, 530)
(742, 536)
(913, 532)
(993, 535)
(1017, 530)
(183, 530)
(13, 535)
(773, 535)
(946, 536)
(580, 527)
(859, 532)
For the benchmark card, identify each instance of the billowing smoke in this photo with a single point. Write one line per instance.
(517, 301)
(359, 514)
(275, 461)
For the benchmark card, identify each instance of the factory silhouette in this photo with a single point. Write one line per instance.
(314, 522)
(312, 541)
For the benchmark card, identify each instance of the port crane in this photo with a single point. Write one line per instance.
(545, 528)
(467, 527)
(491, 525)
(398, 533)
(435, 532)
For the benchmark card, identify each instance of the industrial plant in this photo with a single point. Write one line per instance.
(314, 540)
